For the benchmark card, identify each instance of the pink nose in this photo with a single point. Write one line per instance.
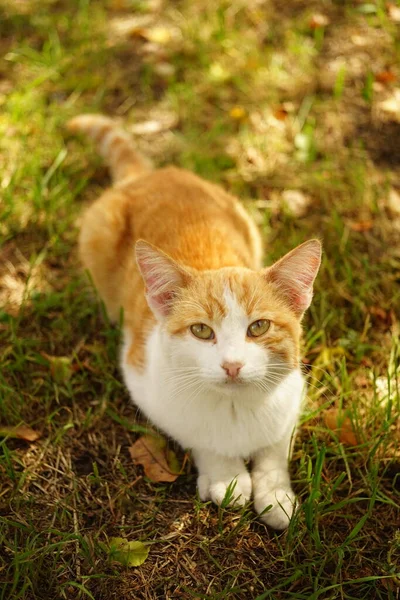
(232, 368)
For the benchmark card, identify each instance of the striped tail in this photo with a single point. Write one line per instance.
(113, 144)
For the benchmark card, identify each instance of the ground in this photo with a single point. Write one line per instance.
(293, 106)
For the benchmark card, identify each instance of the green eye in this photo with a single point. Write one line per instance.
(258, 328)
(202, 331)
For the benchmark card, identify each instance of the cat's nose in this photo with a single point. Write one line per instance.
(232, 368)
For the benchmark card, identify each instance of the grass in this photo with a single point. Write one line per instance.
(257, 98)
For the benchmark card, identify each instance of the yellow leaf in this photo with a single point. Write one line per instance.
(237, 113)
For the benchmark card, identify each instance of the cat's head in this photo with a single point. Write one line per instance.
(231, 327)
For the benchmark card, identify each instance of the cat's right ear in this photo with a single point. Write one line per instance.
(163, 277)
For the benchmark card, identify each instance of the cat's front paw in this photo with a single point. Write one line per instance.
(216, 489)
(283, 506)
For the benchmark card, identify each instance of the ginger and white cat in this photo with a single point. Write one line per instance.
(211, 338)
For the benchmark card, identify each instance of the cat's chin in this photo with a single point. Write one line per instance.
(230, 388)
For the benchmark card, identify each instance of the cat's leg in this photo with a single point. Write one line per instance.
(217, 473)
(271, 484)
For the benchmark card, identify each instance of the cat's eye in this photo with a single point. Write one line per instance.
(258, 328)
(202, 331)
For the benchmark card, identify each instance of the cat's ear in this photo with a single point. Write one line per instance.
(162, 277)
(294, 275)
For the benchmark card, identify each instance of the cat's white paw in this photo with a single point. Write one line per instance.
(216, 490)
(283, 506)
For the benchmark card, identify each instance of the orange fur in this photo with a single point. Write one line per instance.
(197, 224)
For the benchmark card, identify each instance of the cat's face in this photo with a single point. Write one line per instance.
(229, 329)
(232, 327)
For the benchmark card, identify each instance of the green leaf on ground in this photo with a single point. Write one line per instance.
(129, 554)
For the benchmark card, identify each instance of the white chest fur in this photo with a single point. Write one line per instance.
(230, 425)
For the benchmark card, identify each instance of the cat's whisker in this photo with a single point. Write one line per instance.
(180, 377)
(307, 369)
(179, 390)
(287, 385)
(189, 401)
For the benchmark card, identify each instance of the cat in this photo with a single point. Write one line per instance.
(211, 337)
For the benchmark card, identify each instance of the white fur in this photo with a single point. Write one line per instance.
(184, 391)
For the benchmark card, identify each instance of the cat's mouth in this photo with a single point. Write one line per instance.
(229, 384)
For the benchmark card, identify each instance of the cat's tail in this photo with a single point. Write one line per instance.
(113, 144)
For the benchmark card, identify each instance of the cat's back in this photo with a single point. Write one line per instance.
(193, 220)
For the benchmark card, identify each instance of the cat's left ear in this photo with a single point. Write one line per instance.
(294, 275)
(162, 277)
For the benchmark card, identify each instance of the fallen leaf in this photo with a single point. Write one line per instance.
(129, 554)
(237, 113)
(280, 113)
(61, 367)
(159, 463)
(341, 425)
(319, 20)
(21, 432)
(385, 77)
(393, 12)
(361, 226)
(377, 311)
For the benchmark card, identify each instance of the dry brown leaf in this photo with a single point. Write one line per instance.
(385, 77)
(159, 463)
(342, 426)
(280, 113)
(361, 226)
(379, 312)
(21, 432)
